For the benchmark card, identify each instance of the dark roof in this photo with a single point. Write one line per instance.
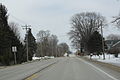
(111, 41)
(116, 44)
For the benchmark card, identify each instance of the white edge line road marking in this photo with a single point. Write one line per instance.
(99, 69)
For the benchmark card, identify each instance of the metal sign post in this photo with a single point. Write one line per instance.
(14, 50)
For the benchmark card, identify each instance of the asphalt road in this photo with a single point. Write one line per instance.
(20, 72)
(72, 69)
(58, 69)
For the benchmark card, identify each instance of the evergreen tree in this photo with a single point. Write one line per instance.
(16, 42)
(8, 39)
(5, 37)
(95, 43)
(32, 46)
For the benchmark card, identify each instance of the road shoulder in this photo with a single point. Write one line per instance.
(108, 68)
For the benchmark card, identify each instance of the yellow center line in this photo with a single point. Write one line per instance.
(32, 77)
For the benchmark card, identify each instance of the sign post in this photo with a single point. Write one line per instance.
(14, 50)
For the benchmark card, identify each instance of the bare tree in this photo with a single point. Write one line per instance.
(47, 44)
(113, 37)
(42, 42)
(84, 25)
(14, 28)
(117, 21)
(53, 44)
(62, 49)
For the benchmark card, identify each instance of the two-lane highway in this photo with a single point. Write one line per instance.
(64, 68)
(72, 69)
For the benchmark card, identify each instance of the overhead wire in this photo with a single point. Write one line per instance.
(19, 20)
(23, 22)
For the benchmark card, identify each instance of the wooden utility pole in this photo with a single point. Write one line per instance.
(26, 27)
(103, 48)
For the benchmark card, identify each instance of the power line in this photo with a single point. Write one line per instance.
(23, 22)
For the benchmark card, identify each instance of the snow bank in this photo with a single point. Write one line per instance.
(109, 59)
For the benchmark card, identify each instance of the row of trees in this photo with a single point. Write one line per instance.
(85, 32)
(113, 37)
(48, 45)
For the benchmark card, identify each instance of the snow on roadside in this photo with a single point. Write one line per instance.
(109, 59)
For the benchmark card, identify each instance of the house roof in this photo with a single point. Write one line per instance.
(116, 44)
(111, 41)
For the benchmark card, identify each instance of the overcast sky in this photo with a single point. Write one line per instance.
(54, 15)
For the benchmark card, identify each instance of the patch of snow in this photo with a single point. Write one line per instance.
(36, 58)
(72, 55)
(108, 59)
(65, 55)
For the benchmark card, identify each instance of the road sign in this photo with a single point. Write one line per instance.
(14, 49)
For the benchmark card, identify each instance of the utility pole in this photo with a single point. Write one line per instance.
(55, 51)
(26, 27)
(41, 48)
(103, 48)
(52, 45)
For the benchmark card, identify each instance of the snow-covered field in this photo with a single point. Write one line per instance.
(109, 59)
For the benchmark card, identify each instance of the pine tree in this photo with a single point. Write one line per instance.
(16, 42)
(95, 43)
(8, 39)
(5, 37)
(32, 46)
